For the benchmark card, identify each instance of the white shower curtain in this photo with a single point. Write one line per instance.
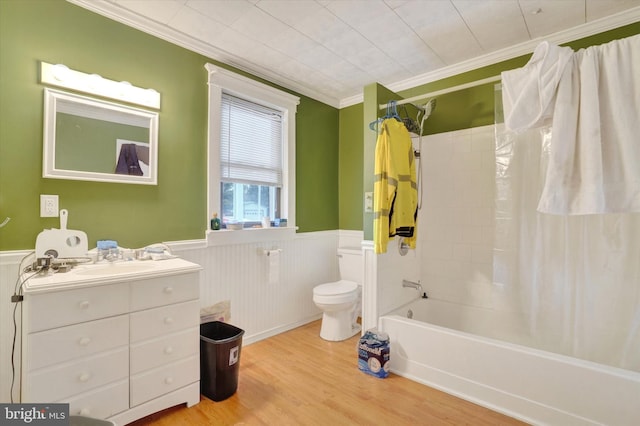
(573, 281)
(593, 98)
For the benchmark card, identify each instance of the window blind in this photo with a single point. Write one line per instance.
(250, 143)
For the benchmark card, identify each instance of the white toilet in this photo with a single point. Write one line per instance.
(341, 301)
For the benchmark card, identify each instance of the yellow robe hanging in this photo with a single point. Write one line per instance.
(395, 192)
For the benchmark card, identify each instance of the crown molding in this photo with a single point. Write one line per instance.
(585, 30)
(351, 100)
(117, 13)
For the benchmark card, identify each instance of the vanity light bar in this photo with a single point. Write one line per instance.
(62, 76)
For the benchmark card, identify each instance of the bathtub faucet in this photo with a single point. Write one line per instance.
(417, 286)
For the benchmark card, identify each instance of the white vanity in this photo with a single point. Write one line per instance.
(116, 341)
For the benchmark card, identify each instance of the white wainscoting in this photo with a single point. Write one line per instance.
(235, 272)
(260, 306)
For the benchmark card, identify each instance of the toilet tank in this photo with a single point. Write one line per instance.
(350, 264)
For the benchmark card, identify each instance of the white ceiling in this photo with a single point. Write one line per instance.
(331, 49)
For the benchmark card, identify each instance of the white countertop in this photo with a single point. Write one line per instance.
(86, 275)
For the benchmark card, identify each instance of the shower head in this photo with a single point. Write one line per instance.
(429, 107)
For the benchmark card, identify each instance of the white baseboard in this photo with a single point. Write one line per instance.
(247, 340)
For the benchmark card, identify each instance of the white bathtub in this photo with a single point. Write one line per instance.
(535, 386)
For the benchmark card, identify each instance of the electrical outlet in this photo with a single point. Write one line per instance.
(48, 205)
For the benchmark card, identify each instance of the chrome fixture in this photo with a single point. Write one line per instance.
(110, 255)
(417, 286)
(403, 248)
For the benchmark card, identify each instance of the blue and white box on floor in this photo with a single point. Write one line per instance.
(373, 353)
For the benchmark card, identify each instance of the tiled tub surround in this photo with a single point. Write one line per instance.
(456, 221)
(453, 257)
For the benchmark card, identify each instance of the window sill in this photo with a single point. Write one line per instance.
(249, 235)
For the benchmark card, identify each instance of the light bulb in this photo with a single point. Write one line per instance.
(60, 72)
(94, 81)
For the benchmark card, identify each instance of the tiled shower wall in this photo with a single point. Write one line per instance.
(457, 218)
(454, 256)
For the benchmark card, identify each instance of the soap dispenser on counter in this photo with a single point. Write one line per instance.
(215, 222)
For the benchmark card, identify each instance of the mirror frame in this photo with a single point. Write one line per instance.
(49, 170)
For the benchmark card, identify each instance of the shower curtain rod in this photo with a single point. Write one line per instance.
(445, 91)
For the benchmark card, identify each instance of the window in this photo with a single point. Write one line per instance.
(249, 203)
(251, 150)
(250, 161)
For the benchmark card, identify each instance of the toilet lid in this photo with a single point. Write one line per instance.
(335, 288)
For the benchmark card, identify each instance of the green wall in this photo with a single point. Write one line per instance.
(58, 32)
(317, 168)
(350, 168)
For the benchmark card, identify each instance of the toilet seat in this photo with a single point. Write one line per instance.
(335, 288)
(336, 292)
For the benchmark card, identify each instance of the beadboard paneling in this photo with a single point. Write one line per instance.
(240, 273)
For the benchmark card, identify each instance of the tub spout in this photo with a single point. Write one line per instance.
(407, 283)
(411, 284)
(417, 286)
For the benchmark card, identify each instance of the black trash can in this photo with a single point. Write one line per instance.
(220, 346)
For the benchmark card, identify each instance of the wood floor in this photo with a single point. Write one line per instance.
(296, 378)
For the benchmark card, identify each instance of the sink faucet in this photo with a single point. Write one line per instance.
(417, 286)
(110, 255)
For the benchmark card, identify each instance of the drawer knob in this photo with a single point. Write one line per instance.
(168, 290)
(84, 377)
(84, 304)
(168, 350)
(168, 320)
(84, 341)
(168, 380)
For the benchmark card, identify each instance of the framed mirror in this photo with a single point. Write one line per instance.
(90, 139)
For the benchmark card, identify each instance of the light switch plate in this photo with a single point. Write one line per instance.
(368, 202)
(48, 205)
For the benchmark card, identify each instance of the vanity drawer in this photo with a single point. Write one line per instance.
(167, 319)
(101, 403)
(77, 376)
(76, 341)
(50, 310)
(163, 350)
(153, 383)
(164, 291)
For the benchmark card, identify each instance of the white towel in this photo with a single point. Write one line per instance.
(528, 93)
(274, 266)
(594, 156)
